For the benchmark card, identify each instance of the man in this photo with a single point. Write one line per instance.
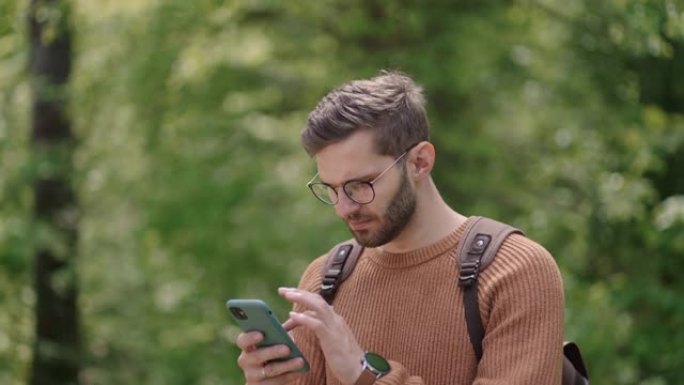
(402, 302)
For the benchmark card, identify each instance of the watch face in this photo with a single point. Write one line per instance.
(377, 362)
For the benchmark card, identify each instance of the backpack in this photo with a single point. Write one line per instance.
(480, 242)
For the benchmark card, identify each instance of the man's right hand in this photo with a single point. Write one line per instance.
(255, 364)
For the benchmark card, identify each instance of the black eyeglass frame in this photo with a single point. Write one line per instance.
(312, 185)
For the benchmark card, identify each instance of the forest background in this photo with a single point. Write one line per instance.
(171, 177)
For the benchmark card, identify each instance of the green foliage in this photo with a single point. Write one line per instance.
(566, 119)
(16, 170)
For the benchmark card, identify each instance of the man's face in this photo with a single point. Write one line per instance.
(392, 221)
(379, 222)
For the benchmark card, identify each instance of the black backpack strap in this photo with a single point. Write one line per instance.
(339, 263)
(479, 244)
(574, 370)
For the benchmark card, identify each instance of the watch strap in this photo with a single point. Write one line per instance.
(366, 378)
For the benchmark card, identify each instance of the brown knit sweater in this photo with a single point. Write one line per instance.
(409, 308)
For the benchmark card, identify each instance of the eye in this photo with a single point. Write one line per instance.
(359, 191)
(354, 187)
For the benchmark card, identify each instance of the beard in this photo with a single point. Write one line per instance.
(398, 214)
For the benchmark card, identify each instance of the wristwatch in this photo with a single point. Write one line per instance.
(374, 366)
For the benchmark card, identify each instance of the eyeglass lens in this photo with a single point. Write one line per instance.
(358, 191)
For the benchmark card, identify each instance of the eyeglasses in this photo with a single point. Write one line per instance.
(359, 191)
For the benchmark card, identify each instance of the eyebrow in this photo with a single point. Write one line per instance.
(365, 178)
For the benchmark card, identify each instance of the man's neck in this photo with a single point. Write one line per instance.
(432, 221)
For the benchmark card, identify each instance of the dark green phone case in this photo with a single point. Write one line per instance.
(258, 316)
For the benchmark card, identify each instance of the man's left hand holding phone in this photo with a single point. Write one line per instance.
(269, 355)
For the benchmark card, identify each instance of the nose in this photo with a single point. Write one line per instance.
(345, 206)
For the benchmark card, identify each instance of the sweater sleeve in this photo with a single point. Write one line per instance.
(523, 292)
(399, 376)
(306, 340)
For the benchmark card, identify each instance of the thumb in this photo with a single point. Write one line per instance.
(289, 325)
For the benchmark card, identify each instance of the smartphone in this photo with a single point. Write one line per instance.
(254, 314)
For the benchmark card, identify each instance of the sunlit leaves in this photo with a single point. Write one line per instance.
(564, 118)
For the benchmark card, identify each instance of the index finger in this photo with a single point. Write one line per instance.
(247, 340)
(309, 300)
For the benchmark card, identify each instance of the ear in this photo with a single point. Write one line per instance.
(421, 160)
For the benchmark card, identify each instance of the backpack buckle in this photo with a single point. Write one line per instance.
(331, 277)
(468, 273)
(334, 273)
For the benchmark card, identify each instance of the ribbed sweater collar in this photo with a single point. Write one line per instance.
(415, 257)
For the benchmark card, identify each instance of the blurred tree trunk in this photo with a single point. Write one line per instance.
(56, 347)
